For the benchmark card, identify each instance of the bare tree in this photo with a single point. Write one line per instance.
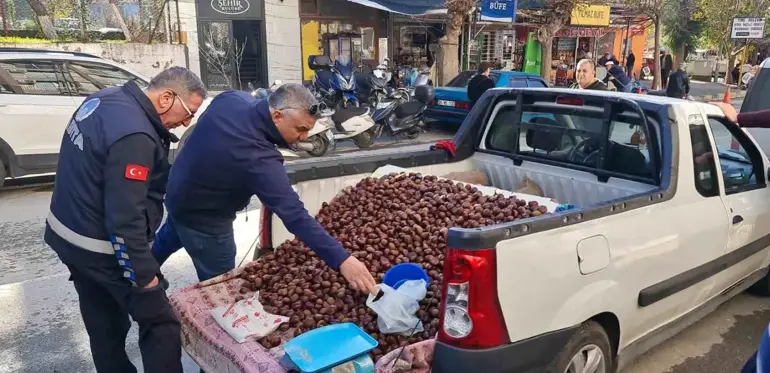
(118, 17)
(557, 14)
(43, 18)
(222, 56)
(457, 10)
(653, 11)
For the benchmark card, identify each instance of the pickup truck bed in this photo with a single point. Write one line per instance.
(658, 235)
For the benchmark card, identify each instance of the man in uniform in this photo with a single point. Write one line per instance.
(108, 202)
(231, 156)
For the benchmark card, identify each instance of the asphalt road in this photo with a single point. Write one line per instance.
(41, 330)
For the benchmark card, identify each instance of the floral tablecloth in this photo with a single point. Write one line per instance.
(215, 351)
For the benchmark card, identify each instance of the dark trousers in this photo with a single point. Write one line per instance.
(664, 77)
(212, 254)
(106, 301)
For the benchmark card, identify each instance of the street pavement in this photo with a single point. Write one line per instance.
(41, 330)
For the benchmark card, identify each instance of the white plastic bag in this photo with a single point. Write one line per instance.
(396, 309)
(247, 318)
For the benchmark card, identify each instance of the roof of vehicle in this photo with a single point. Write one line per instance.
(516, 73)
(658, 100)
(16, 52)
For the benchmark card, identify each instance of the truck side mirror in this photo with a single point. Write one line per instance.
(767, 175)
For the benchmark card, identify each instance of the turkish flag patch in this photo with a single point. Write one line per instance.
(136, 172)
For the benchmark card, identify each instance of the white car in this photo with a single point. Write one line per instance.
(39, 91)
(672, 219)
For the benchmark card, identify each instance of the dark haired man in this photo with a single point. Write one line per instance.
(480, 83)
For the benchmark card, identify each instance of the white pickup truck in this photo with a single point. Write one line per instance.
(667, 226)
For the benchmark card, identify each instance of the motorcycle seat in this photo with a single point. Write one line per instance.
(342, 115)
(409, 108)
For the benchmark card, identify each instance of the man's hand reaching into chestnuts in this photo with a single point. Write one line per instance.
(358, 275)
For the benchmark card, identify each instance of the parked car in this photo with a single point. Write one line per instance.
(39, 91)
(452, 103)
(664, 230)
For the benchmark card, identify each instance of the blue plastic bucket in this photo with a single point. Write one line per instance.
(404, 272)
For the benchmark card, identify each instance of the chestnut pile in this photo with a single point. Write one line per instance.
(399, 218)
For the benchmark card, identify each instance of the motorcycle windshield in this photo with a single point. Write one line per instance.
(344, 66)
(421, 79)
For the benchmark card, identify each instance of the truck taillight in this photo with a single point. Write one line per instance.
(265, 227)
(471, 316)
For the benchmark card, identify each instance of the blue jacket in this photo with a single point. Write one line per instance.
(231, 156)
(620, 77)
(110, 181)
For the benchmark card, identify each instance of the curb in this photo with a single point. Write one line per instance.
(711, 98)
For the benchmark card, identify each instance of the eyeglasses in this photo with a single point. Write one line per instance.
(318, 109)
(190, 113)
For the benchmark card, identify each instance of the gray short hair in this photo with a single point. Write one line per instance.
(587, 61)
(291, 96)
(180, 80)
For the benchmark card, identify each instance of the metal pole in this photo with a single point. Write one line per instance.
(743, 62)
(468, 44)
(628, 40)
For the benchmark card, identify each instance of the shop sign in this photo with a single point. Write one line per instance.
(748, 28)
(590, 15)
(231, 7)
(499, 10)
(582, 32)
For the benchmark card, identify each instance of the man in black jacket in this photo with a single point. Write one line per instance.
(630, 62)
(666, 65)
(480, 83)
(107, 203)
(586, 76)
(678, 83)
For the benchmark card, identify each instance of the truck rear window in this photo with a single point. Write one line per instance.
(573, 138)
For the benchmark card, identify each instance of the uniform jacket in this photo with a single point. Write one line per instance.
(110, 182)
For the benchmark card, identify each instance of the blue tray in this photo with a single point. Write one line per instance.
(328, 346)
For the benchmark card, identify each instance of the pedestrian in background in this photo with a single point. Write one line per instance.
(619, 77)
(666, 65)
(480, 83)
(630, 62)
(231, 156)
(107, 203)
(679, 83)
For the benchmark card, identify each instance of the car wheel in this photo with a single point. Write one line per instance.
(588, 351)
(3, 173)
(761, 287)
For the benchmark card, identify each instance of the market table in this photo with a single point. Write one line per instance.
(215, 351)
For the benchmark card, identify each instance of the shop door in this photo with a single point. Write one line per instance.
(217, 64)
(251, 69)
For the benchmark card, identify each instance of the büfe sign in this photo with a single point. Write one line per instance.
(748, 28)
(590, 15)
(498, 10)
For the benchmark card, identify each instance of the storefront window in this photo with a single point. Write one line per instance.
(215, 53)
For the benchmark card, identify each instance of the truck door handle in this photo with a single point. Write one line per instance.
(737, 219)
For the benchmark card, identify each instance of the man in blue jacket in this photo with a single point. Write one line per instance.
(619, 77)
(230, 156)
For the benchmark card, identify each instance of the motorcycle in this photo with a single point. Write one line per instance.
(344, 123)
(403, 116)
(334, 83)
(372, 88)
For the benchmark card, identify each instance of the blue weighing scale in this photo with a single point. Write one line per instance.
(332, 346)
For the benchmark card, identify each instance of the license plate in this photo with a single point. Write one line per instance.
(446, 103)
